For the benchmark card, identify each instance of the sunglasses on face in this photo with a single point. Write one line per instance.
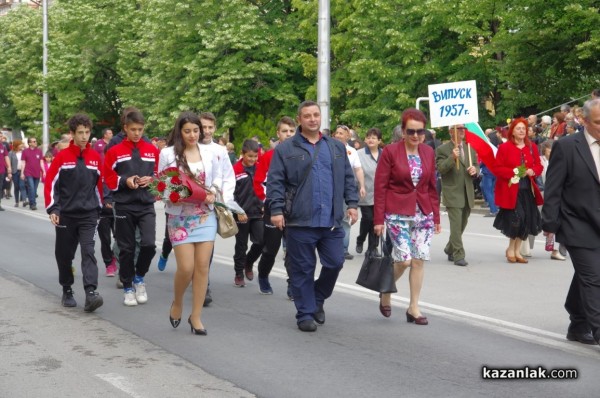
(415, 131)
(341, 126)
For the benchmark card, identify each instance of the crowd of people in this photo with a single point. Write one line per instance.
(305, 192)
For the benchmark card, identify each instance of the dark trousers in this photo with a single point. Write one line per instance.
(302, 245)
(458, 217)
(127, 220)
(70, 232)
(167, 247)
(254, 228)
(106, 227)
(366, 228)
(32, 186)
(272, 242)
(583, 299)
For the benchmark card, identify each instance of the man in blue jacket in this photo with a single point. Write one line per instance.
(310, 178)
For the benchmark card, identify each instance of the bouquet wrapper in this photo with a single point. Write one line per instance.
(197, 193)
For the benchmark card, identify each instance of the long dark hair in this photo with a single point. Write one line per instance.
(176, 140)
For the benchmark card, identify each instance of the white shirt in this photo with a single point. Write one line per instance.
(353, 157)
(594, 148)
(227, 181)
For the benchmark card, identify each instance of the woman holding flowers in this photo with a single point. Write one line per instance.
(191, 222)
(517, 195)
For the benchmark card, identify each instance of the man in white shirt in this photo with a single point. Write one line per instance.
(342, 133)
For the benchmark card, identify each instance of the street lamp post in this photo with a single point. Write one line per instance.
(323, 63)
(45, 110)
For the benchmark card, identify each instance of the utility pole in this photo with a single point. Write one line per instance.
(45, 110)
(323, 63)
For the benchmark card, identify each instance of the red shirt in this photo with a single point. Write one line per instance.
(32, 158)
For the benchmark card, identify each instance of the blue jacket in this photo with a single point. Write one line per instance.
(288, 166)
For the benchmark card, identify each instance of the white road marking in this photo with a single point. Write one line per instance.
(119, 382)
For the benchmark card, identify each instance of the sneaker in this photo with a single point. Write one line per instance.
(239, 281)
(348, 256)
(140, 292)
(208, 298)
(264, 286)
(130, 300)
(93, 300)
(248, 272)
(162, 263)
(33, 207)
(111, 269)
(25, 204)
(68, 300)
(359, 247)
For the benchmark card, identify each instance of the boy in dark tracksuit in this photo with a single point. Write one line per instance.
(73, 197)
(129, 167)
(250, 223)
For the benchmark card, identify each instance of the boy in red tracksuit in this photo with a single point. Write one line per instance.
(251, 223)
(272, 236)
(73, 197)
(129, 167)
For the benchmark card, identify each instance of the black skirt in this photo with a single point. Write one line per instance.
(524, 219)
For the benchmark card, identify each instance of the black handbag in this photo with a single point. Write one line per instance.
(377, 271)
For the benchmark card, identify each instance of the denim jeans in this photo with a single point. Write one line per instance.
(32, 186)
(488, 182)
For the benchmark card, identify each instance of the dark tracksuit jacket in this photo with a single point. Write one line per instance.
(73, 191)
(245, 196)
(134, 208)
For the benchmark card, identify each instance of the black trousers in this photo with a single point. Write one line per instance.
(167, 247)
(366, 228)
(272, 242)
(72, 231)
(127, 219)
(583, 299)
(106, 228)
(254, 229)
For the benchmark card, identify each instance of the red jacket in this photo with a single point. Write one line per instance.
(260, 178)
(395, 192)
(507, 159)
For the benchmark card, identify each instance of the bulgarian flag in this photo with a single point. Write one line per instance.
(486, 151)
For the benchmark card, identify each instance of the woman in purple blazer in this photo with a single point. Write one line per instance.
(407, 203)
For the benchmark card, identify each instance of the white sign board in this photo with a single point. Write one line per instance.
(453, 103)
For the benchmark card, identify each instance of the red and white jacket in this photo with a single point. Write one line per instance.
(74, 182)
(260, 177)
(128, 159)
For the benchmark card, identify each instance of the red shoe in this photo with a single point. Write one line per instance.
(239, 281)
(248, 272)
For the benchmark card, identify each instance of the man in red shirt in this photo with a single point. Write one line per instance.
(32, 169)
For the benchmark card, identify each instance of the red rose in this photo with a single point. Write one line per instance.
(161, 186)
(176, 180)
(174, 197)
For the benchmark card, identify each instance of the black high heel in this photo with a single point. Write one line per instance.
(174, 322)
(200, 332)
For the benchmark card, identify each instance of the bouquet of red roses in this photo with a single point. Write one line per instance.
(174, 186)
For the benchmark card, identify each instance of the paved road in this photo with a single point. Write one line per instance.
(489, 313)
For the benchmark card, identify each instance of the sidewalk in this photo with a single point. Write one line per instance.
(51, 351)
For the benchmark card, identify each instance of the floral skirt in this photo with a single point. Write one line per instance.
(192, 229)
(411, 236)
(521, 221)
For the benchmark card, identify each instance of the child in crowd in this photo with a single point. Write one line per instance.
(48, 157)
(250, 224)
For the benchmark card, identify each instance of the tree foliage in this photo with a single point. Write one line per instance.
(252, 61)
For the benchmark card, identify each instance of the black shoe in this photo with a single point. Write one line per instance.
(174, 322)
(583, 338)
(207, 299)
(1, 208)
(199, 332)
(25, 204)
(93, 300)
(68, 300)
(450, 257)
(461, 262)
(307, 325)
(348, 256)
(319, 314)
(359, 247)
(33, 207)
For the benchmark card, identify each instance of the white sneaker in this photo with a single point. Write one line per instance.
(130, 300)
(140, 292)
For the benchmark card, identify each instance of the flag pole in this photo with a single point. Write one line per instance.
(456, 145)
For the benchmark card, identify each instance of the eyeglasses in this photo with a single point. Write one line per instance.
(415, 131)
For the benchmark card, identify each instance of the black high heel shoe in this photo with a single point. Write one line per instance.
(417, 320)
(174, 322)
(200, 332)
